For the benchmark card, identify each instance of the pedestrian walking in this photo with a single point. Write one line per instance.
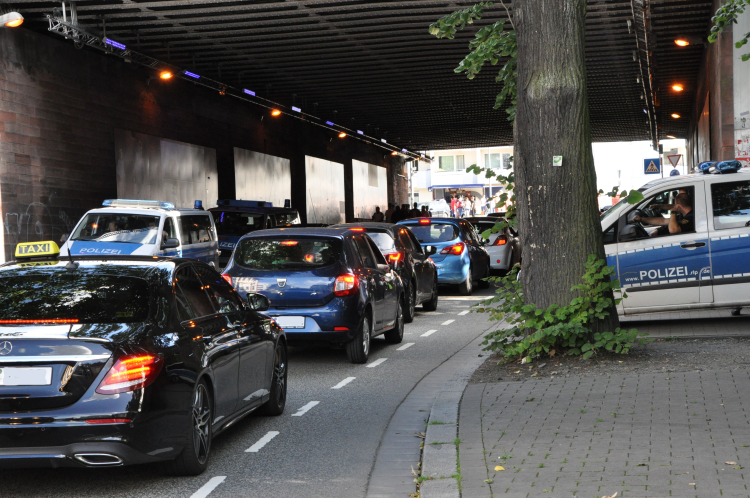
(389, 213)
(415, 212)
(476, 206)
(377, 215)
(396, 215)
(460, 207)
(453, 206)
(467, 206)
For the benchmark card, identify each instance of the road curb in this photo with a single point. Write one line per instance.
(397, 459)
(441, 451)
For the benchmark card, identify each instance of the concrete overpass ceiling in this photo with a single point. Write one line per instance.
(373, 66)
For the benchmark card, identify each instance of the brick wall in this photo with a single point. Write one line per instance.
(59, 107)
(715, 81)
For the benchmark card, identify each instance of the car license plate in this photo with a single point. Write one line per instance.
(25, 376)
(291, 322)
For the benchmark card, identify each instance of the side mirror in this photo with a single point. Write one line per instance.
(170, 244)
(384, 268)
(430, 250)
(258, 302)
(627, 234)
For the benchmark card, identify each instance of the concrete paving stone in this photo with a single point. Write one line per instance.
(443, 433)
(439, 488)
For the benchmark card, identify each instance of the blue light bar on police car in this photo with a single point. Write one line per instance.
(192, 75)
(137, 203)
(705, 166)
(724, 167)
(236, 203)
(114, 44)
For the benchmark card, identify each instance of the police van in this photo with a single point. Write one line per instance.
(236, 218)
(703, 264)
(144, 228)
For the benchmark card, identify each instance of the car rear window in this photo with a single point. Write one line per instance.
(383, 240)
(435, 232)
(288, 254)
(85, 297)
(237, 224)
(118, 227)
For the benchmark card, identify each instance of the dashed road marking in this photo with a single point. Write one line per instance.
(405, 346)
(262, 442)
(429, 333)
(464, 312)
(208, 487)
(376, 363)
(343, 383)
(305, 409)
(447, 322)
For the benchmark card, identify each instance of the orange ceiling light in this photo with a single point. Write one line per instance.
(681, 42)
(342, 135)
(166, 75)
(676, 116)
(11, 19)
(677, 87)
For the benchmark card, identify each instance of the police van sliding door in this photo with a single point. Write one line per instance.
(729, 223)
(667, 271)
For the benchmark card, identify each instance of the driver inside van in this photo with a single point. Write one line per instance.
(681, 219)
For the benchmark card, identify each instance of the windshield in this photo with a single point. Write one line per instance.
(85, 297)
(383, 241)
(435, 232)
(118, 227)
(237, 224)
(287, 219)
(302, 254)
(606, 214)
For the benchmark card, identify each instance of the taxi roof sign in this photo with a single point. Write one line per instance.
(36, 249)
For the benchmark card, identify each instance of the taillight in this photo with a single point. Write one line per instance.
(424, 221)
(130, 372)
(456, 249)
(227, 278)
(345, 285)
(501, 240)
(394, 257)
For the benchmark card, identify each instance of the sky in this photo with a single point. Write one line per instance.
(626, 160)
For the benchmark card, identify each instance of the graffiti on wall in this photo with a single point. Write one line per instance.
(33, 223)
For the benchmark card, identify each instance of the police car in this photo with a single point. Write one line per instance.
(686, 245)
(236, 218)
(144, 228)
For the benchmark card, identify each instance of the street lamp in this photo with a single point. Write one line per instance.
(11, 19)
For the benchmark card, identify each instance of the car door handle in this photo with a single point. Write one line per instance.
(693, 245)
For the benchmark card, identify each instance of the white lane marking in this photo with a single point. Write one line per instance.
(305, 409)
(262, 442)
(428, 333)
(208, 487)
(343, 383)
(447, 322)
(464, 312)
(376, 363)
(405, 346)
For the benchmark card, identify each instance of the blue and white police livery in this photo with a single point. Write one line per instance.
(144, 228)
(706, 265)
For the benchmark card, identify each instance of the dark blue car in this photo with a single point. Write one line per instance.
(329, 285)
(458, 253)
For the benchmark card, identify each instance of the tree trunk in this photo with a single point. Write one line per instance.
(557, 206)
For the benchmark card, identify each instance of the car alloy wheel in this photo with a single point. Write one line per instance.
(358, 349)
(275, 405)
(201, 424)
(366, 337)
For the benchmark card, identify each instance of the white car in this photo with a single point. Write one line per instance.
(500, 245)
(696, 258)
(439, 209)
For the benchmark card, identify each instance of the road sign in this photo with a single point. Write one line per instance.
(674, 172)
(674, 159)
(651, 166)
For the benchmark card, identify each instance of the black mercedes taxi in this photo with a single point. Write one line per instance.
(108, 361)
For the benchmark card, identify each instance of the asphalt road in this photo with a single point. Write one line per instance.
(323, 445)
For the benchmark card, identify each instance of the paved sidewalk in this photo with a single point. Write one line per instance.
(649, 435)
